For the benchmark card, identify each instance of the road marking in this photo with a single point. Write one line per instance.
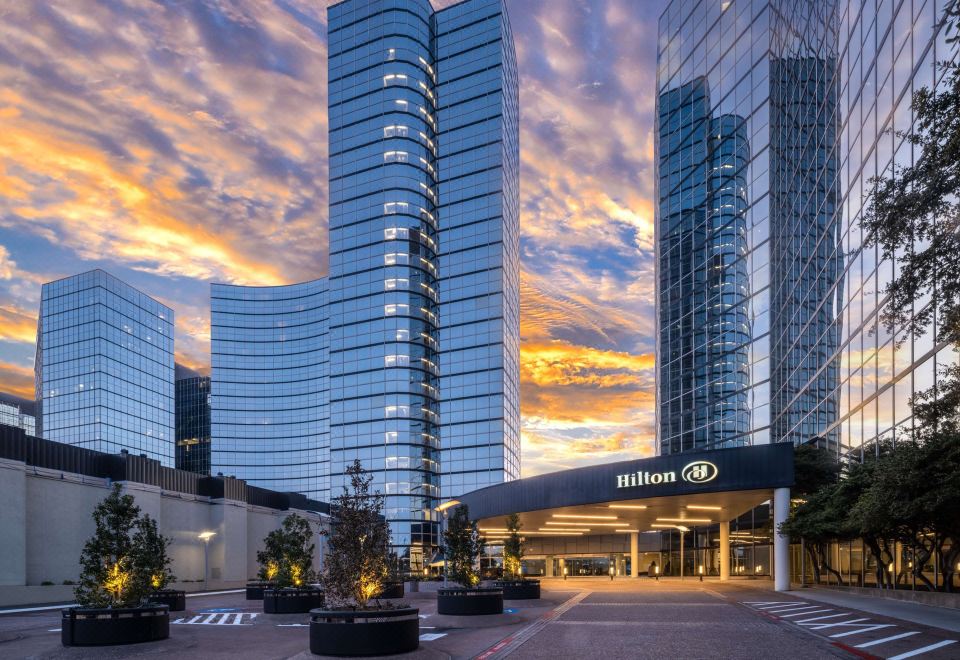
(224, 620)
(792, 609)
(509, 644)
(834, 624)
(869, 628)
(776, 606)
(787, 616)
(820, 618)
(931, 647)
(55, 630)
(429, 637)
(887, 639)
(293, 625)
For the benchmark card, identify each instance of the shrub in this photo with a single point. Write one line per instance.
(287, 555)
(357, 560)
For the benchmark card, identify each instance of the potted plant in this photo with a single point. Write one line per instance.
(152, 558)
(267, 576)
(288, 556)
(515, 586)
(393, 586)
(463, 549)
(354, 571)
(115, 580)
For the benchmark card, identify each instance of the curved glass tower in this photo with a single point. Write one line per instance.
(269, 386)
(384, 396)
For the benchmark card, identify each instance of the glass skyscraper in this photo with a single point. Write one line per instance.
(192, 427)
(269, 386)
(104, 367)
(422, 118)
(767, 300)
(479, 163)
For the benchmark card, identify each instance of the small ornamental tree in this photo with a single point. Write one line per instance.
(123, 555)
(513, 548)
(464, 547)
(150, 556)
(357, 562)
(287, 555)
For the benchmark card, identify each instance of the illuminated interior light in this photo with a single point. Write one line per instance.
(627, 506)
(589, 524)
(584, 517)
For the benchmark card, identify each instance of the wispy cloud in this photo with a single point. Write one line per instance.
(178, 143)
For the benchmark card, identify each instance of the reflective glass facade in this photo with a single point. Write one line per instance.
(384, 383)
(104, 368)
(11, 415)
(767, 300)
(423, 112)
(478, 114)
(193, 424)
(269, 386)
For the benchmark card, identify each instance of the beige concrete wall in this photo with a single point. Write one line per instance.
(45, 518)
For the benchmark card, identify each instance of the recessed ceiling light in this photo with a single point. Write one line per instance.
(684, 520)
(570, 515)
(627, 506)
(704, 507)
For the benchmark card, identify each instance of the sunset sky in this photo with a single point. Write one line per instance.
(175, 144)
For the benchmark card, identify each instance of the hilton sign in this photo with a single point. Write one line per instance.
(698, 472)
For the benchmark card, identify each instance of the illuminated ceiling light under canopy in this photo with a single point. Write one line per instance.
(684, 520)
(570, 515)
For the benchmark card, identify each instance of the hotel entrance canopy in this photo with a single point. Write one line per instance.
(660, 493)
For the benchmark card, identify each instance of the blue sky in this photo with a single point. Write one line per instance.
(175, 144)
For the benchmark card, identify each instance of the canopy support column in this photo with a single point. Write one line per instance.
(781, 542)
(724, 550)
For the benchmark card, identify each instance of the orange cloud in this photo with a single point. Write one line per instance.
(17, 379)
(17, 325)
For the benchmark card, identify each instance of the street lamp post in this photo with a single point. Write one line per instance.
(205, 537)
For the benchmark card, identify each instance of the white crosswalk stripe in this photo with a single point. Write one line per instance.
(225, 619)
(787, 610)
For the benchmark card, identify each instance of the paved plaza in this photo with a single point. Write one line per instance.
(576, 618)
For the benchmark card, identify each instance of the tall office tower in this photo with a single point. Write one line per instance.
(192, 423)
(413, 92)
(819, 85)
(269, 386)
(703, 285)
(104, 367)
(384, 365)
(479, 221)
(12, 415)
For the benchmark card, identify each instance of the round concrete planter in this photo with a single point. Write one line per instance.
(255, 589)
(81, 626)
(519, 589)
(364, 633)
(469, 602)
(391, 591)
(174, 599)
(291, 601)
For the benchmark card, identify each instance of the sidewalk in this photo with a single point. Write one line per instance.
(927, 615)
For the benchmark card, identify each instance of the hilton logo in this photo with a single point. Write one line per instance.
(698, 472)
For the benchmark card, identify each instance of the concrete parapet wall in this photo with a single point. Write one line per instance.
(45, 519)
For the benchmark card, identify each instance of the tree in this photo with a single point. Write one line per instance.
(913, 216)
(819, 520)
(287, 553)
(513, 547)
(358, 550)
(813, 468)
(150, 554)
(116, 566)
(464, 547)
